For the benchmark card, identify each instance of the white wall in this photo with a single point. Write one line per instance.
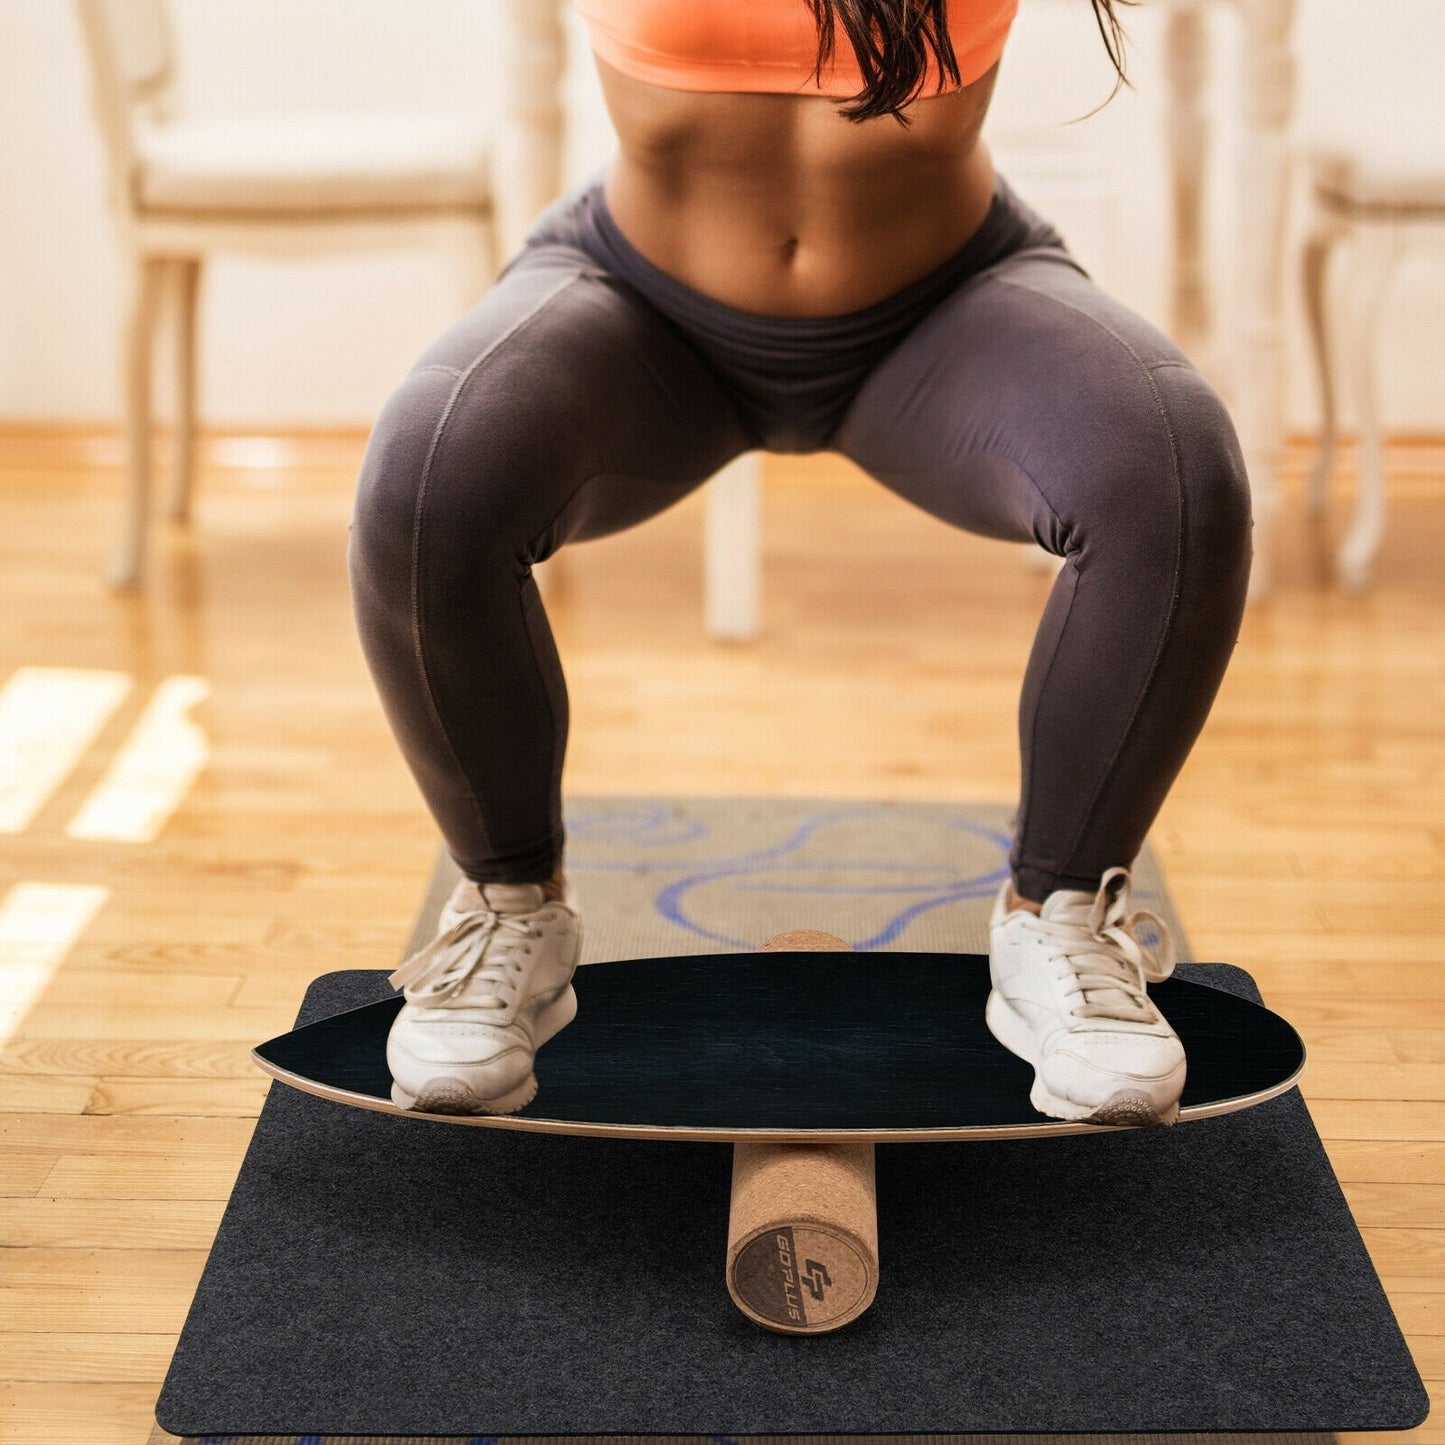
(322, 342)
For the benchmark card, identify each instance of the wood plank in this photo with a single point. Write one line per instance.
(89, 1176)
(300, 955)
(175, 1099)
(45, 1093)
(60, 1223)
(139, 1021)
(1306, 1011)
(1387, 1205)
(1377, 1118)
(1420, 1312)
(1401, 1284)
(102, 1270)
(1306, 952)
(1412, 1252)
(50, 1308)
(127, 1137)
(147, 1290)
(1404, 1161)
(59, 1412)
(23, 1174)
(1417, 1046)
(129, 1058)
(80, 988)
(1428, 1352)
(1331, 1078)
(78, 1356)
(1409, 980)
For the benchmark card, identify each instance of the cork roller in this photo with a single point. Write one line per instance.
(803, 1227)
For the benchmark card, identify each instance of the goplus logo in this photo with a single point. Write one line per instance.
(792, 1303)
(813, 1277)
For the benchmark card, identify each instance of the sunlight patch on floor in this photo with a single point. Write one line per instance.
(152, 772)
(49, 717)
(39, 923)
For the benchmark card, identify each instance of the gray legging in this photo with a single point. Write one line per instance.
(1003, 392)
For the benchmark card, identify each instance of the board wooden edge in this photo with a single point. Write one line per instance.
(685, 1133)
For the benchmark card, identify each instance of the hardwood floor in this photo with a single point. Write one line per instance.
(1305, 839)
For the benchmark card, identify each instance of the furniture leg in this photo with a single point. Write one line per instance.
(1318, 245)
(1376, 251)
(731, 550)
(137, 348)
(1186, 53)
(1263, 179)
(185, 277)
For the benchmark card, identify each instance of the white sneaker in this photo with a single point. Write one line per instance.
(1069, 997)
(481, 998)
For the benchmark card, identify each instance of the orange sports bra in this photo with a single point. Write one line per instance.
(766, 44)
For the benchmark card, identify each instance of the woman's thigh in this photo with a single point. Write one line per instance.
(561, 407)
(1032, 405)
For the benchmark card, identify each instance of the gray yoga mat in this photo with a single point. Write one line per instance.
(376, 1277)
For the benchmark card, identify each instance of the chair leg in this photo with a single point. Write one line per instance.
(137, 345)
(731, 550)
(185, 276)
(1374, 263)
(1314, 269)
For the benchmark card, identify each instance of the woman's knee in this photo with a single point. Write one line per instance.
(386, 506)
(474, 459)
(1216, 525)
(1211, 463)
(1164, 470)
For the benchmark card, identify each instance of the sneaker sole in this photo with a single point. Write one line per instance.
(1131, 1107)
(449, 1094)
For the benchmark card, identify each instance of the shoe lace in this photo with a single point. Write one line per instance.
(1111, 965)
(458, 956)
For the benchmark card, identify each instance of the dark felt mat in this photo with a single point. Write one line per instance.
(376, 1276)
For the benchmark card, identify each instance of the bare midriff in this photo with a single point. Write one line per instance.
(777, 205)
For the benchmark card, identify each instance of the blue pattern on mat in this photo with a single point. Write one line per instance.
(650, 837)
(695, 889)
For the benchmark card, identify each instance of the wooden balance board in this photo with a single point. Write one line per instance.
(803, 1056)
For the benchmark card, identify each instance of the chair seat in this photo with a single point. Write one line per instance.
(311, 163)
(1406, 180)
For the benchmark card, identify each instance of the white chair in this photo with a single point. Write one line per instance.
(183, 189)
(731, 558)
(1381, 204)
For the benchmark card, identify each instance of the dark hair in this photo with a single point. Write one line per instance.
(894, 60)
